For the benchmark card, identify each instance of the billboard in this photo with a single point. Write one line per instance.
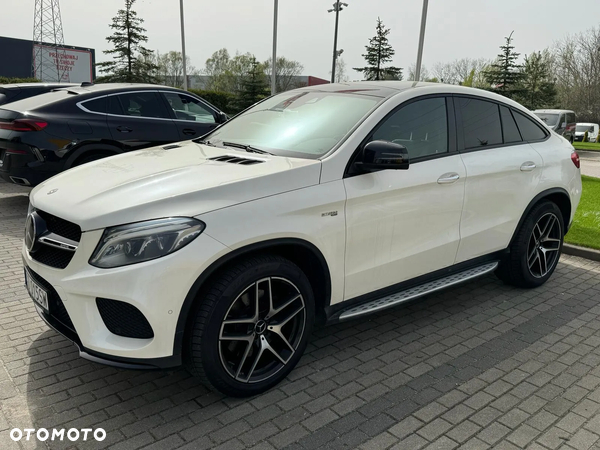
(74, 65)
(18, 55)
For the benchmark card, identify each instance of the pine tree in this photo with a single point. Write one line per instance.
(253, 86)
(505, 74)
(537, 86)
(380, 52)
(132, 62)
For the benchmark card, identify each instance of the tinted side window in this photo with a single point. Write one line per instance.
(529, 129)
(481, 123)
(114, 106)
(571, 118)
(509, 127)
(143, 104)
(188, 108)
(97, 105)
(421, 126)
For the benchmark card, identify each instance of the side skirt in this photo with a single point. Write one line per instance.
(413, 289)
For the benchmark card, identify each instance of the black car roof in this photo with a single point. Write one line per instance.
(56, 95)
(36, 85)
(107, 88)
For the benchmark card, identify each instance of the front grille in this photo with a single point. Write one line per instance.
(61, 227)
(124, 319)
(52, 256)
(56, 307)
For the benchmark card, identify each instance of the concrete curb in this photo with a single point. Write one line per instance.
(582, 252)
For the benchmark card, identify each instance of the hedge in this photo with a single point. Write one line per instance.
(7, 80)
(225, 101)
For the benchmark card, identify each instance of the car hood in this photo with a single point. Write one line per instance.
(175, 180)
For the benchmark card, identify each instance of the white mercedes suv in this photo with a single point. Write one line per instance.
(319, 204)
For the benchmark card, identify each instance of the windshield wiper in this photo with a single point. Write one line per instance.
(248, 148)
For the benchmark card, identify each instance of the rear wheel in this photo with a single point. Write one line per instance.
(251, 326)
(536, 248)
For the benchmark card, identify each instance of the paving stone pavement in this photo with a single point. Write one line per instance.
(479, 366)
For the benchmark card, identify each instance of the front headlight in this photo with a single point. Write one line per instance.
(143, 241)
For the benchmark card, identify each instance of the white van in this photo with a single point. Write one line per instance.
(562, 121)
(591, 128)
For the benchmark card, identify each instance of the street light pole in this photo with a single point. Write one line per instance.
(274, 58)
(337, 7)
(185, 81)
(421, 41)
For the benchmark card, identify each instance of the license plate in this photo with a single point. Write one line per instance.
(36, 292)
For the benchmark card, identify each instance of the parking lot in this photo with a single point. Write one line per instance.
(478, 366)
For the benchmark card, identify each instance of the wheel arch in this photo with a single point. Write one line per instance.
(302, 253)
(91, 147)
(558, 196)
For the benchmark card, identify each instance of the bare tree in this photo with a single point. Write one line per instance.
(412, 73)
(170, 68)
(286, 71)
(577, 72)
(459, 70)
(340, 71)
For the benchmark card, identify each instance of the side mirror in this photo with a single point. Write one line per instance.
(382, 155)
(563, 125)
(222, 117)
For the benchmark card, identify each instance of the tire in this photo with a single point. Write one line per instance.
(239, 359)
(533, 257)
(89, 157)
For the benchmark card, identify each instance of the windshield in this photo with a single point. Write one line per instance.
(300, 124)
(584, 128)
(549, 119)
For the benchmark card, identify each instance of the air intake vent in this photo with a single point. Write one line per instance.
(124, 319)
(236, 160)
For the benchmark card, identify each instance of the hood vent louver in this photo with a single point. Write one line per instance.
(236, 160)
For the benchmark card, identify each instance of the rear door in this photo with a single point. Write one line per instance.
(193, 117)
(139, 120)
(503, 171)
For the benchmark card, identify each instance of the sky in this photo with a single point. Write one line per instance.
(455, 28)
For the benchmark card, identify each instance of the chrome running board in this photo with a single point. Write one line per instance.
(417, 291)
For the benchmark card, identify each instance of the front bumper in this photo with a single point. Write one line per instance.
(109, 360)
(156, 288)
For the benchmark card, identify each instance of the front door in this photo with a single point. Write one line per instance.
(193, 118)
(405, 223)
(139, 120)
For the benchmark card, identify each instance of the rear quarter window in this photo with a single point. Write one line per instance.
(530, 130)
(97, 105)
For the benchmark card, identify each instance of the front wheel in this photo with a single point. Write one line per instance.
(536, 249)
(251, 326)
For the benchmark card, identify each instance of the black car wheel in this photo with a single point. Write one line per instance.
(251, 326)
(536, 249)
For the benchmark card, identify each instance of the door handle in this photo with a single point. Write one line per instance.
(124, 129)
(188, 131)
(448, 178)
(528, 166)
